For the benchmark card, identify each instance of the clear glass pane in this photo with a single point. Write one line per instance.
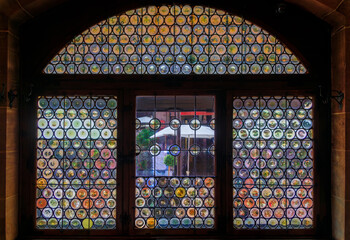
(175, 162)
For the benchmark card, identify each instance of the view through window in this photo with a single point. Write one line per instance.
(175, 162)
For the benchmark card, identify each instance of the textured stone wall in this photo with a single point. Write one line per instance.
(8, 133)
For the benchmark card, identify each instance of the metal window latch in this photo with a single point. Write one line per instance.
(12, 94)
(339, 97)
(28, 96)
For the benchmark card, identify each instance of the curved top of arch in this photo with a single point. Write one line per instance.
(175, 39)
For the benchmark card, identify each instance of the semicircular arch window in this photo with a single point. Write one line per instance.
(175, 39)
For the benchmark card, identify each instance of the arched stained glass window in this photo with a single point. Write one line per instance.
(175, 40)
(167, 157)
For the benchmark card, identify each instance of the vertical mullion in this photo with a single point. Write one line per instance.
(227, 184)
(284, 188)
(320, 119)
(127, 108)
(154, 140)
(221, 170)
(120, 166)
(195, 140)
(153, 145)
(90, 98)
(261, 139)
(63, 159)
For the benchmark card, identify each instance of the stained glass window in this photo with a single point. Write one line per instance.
(272, 162)
(175, 39)
(76, 162)
(175, 162)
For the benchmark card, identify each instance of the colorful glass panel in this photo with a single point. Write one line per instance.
(175, 162)
(272, 162)
(175, 39)
(76, 162)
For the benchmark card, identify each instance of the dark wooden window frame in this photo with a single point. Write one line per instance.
(126, 88)
(306, 36)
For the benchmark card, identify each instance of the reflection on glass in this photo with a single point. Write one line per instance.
(175, 162)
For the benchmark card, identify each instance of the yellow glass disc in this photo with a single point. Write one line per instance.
(180, 192)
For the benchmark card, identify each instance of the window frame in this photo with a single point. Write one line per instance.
(126, 88)
(218, 179)
(317, 190)
(300, 30)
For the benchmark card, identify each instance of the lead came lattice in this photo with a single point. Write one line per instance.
(175, 162)
(272, 162)
(76, 163)
(175, 39)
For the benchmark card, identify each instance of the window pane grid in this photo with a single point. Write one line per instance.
(76, 164)
(179, 202)
(272, 163)
(175, 39)
(175, 158)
